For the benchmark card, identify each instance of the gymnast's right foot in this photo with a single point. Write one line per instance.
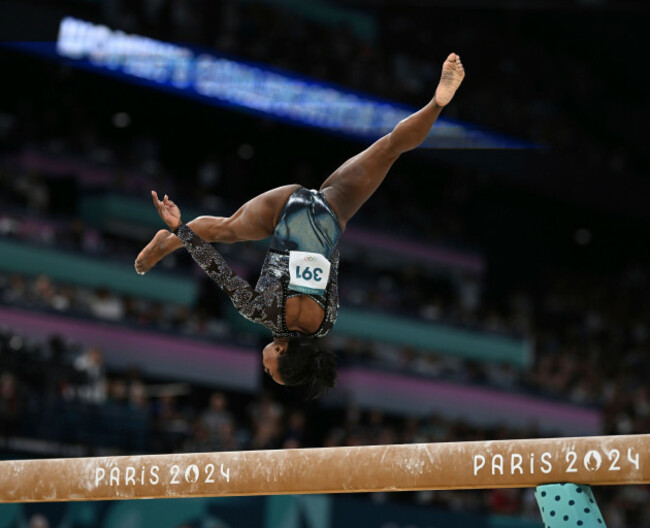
(453, 74)
(153, 252)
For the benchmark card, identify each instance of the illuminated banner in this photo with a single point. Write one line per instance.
(222, 81)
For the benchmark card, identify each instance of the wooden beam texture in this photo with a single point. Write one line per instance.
(457, 465)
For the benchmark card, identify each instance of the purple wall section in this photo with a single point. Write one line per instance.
(419, 396)
(168, 356)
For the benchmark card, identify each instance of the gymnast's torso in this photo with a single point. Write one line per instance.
(306, 224)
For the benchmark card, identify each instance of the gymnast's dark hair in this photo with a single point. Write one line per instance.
(304, 362)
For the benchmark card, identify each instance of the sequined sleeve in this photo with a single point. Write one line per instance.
(249, 302)
(332, 310)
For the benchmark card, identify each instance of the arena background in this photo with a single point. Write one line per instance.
(496, 286)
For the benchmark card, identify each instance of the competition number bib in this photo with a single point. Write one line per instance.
(308, 272)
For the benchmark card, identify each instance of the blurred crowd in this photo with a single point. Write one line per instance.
(581, 326)
(590, 330)
(65, 395)
(588, 351)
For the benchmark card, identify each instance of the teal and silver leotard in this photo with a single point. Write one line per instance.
(306, 223)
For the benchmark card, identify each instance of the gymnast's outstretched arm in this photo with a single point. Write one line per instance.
(249, 302)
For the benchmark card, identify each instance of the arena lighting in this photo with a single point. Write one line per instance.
(263, 91)
(443, 466)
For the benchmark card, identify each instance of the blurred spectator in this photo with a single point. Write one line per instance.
(138, 396)
(216, 414)
(38, 521)
(9, 404)
(106, 305)
(505, 501)
(171, 426)
(92, 381)
(294, 435)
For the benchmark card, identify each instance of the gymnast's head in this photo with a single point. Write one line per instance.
(300, 361)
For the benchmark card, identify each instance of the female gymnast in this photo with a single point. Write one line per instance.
(296, 296)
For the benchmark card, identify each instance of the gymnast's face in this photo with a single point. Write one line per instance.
(270, 356)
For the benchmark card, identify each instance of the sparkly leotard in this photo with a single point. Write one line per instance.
(306, 223)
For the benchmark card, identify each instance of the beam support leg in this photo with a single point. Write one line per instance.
(568, 505)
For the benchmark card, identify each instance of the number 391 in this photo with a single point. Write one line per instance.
(307, 274)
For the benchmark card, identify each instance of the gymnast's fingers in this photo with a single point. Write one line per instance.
(156, 202)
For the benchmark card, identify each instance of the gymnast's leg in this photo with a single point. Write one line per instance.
(254, 220)
(358, 178)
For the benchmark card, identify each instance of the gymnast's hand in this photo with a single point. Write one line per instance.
(168, 211)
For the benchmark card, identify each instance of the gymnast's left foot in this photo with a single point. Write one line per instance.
(152, 253)
(453, 74)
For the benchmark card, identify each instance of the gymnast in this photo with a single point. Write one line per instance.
(296, 296)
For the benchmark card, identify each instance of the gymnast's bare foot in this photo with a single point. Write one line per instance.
(453, 74)
(152, 252)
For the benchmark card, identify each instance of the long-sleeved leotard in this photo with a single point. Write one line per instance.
(264, 305)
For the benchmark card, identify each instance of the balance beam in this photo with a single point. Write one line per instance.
(596, 460)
